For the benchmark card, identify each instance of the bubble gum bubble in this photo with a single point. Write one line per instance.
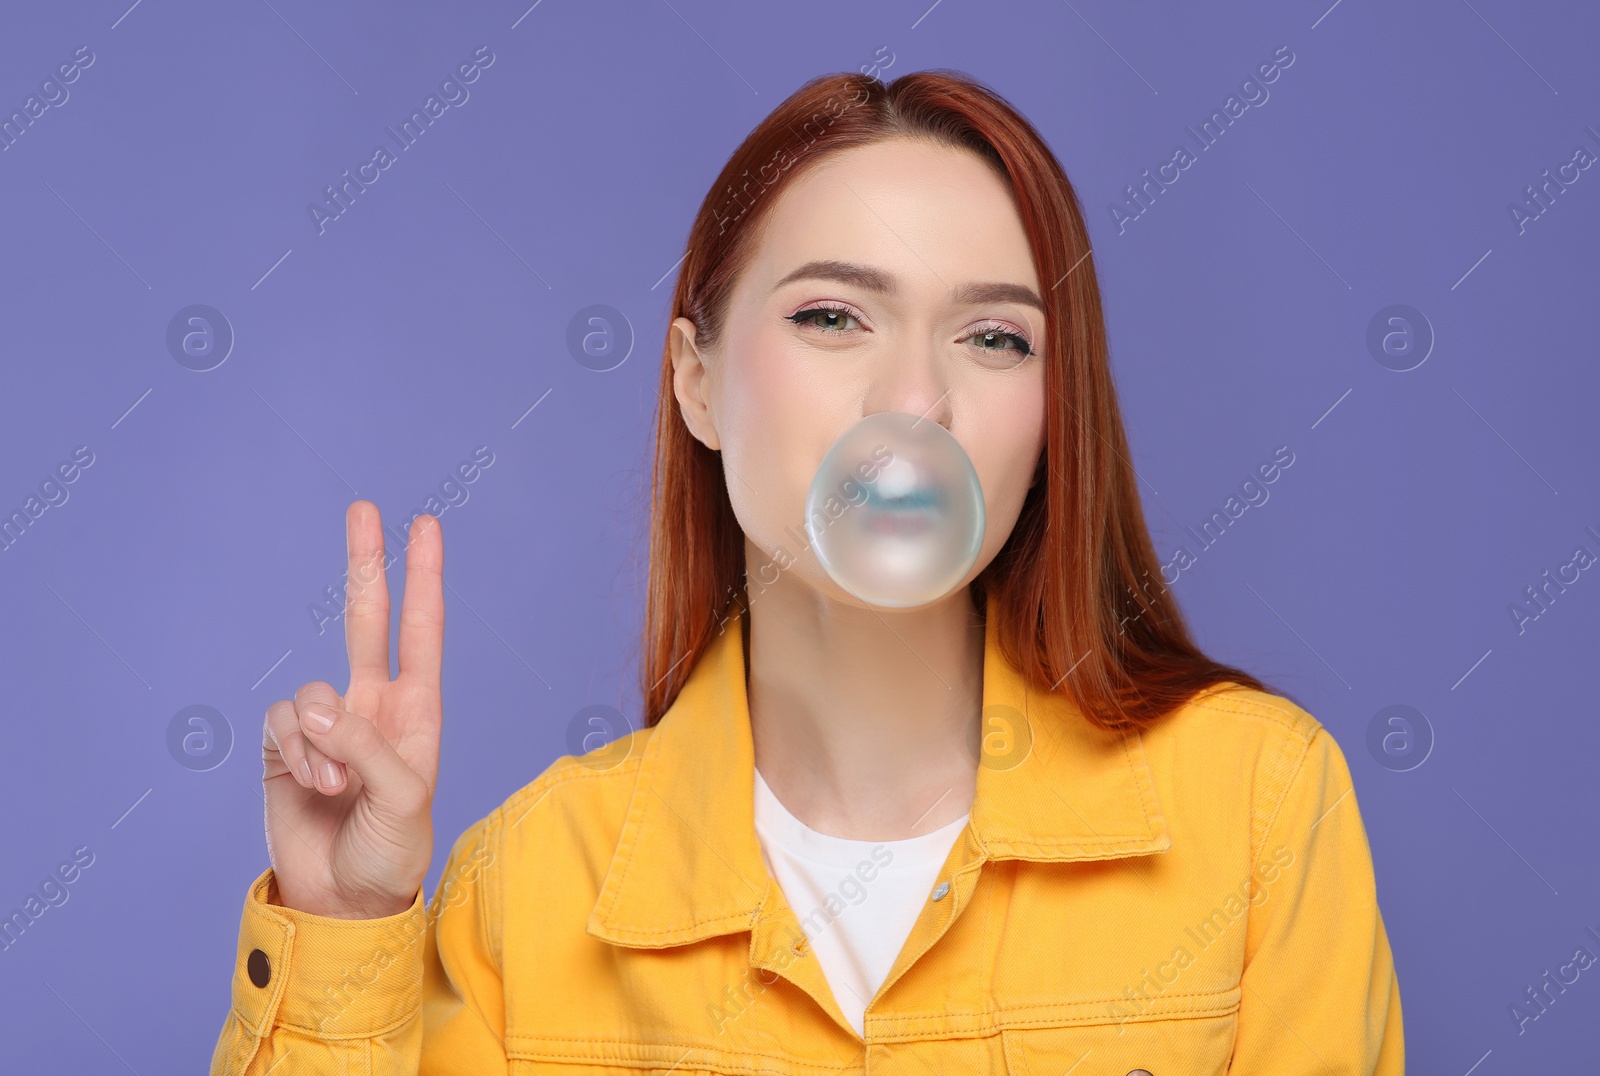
(895, 512)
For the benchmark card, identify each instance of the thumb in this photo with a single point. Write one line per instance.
(347, 737)
(318, 691)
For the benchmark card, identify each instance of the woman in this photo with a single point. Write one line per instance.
(1023, 826)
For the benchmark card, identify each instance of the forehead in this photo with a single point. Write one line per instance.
(932, 215)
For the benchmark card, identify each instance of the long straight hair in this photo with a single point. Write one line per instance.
(1077, 586)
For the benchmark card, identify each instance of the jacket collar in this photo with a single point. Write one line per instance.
(688, 864)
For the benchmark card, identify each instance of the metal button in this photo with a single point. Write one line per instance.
(258, 967)
(1139, 1072)
(940, 890)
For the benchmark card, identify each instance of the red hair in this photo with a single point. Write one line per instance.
(1077, 585)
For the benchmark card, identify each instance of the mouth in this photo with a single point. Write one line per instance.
(911, 514)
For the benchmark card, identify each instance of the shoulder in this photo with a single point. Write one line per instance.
(1247, 750)
(560, 827)
(1230, 722)
(577, 806)
(1242, 710)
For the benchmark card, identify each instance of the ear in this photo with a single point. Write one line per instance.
(689, 373)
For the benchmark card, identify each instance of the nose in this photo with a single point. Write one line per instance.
(912, 380)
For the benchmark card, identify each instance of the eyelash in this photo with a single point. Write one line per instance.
(799, 317)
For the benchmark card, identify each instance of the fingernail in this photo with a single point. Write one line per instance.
(318, 718)
(305, 774)
(330, 774)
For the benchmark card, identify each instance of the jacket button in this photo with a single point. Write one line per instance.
(260, 971)
(940, 890)
(1139, 1072)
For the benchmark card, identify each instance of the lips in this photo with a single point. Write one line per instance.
(913, 514)
(921, 497)
(900, 525)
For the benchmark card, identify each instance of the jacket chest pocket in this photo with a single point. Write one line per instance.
(1191, 1046)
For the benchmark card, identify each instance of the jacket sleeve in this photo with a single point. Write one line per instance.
(1319, 992)
(414, 994)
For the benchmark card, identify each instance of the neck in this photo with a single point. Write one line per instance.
(865, 721)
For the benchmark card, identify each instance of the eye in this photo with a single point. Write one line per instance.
(824, 316)
(833, 319)
(995, 338)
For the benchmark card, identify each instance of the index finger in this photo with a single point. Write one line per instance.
(366, 604)
(422, 607)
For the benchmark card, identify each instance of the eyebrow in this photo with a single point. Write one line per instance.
(883, 283)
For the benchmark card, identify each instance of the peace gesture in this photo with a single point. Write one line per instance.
(349, 780)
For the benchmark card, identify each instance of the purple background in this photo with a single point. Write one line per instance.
(433, 314)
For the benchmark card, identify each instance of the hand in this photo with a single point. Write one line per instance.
(349, 823)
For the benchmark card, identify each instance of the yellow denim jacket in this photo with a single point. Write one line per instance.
(1195, 899)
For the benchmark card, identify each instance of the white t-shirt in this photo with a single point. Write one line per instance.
(856, 900)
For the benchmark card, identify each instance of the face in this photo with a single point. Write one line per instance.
(891, 277)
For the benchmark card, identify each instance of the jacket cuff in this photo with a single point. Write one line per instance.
(328, 978)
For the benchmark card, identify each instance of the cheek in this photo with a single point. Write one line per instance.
(1006, 451)
(774, 431)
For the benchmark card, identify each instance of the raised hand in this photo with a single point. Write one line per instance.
(349, 780)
